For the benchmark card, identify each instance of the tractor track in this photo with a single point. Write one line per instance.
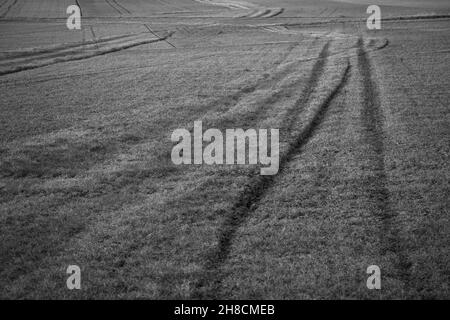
(121, 6)
(209, 283)
(265, 104)
(3, 3)
(119, 9)
(156, 35)
(233, 97)
(77, 2)
(33, 52)
(8, 8)
(80, 52)
(94, 36)
(376, 185)
(262, 83)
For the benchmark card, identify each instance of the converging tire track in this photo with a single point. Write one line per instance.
(112, 6)
(156, 35)
(3, 3)
(209, 283)
(376, 184)
(259, 113)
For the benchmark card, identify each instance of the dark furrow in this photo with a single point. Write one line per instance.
(209, 283)
(329, 15)
(8, 9)
(279, 76)
(3, 3)
(34, 54)
(79, 6)
(167, 281)
(156, 35)
(265, 104)
(261, 83)
(424, 17)
(171, 5)
(261, 14)
(121, 6)
(115, 8)
(384, 45)
(251, 119)
(62, 59)
(247, 15)
(277, 14)
(322, 12)
(94, 37)
(376, 184)
(287, 53)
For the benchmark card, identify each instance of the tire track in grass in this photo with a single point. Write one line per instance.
(74, 56)
(79, 6)
(121, 6)
(250, 119)
(261, 83)
(209, 282)
(376, 185)
(129, 250)
(34, 52)
(114, 7)
(266, 103)
(8, 8)
(333, 11)
(156, 35)
(3, 3)
(171, 5)
(94, 36)
(275, 13)
(264, 83)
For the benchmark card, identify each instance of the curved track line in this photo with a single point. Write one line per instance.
(154, 33)
(372, 118)
(3, 3)
(259, 13)
(275, 13)
(262, 83)
(10, 55)
(231, 4)
(114, 7)
(79, 6)
(8, 9)
(121, 6)
(209, 283)
(79, 56)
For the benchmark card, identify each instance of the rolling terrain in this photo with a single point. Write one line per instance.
(86, 176)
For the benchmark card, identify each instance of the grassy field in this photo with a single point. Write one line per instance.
(86, 175)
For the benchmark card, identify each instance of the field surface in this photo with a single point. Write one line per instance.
(86, 176)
